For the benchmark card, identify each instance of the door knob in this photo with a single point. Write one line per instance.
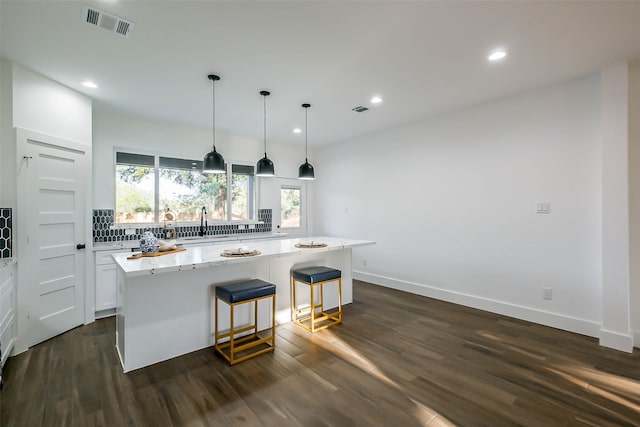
(80, 246)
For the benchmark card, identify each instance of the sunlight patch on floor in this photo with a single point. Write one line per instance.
(329, 341)
(595, 389)
(609, 386)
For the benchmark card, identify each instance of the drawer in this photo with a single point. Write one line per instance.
(6, 305)
(6, 280)
(104, 257)
(7, 338)
(6, 274)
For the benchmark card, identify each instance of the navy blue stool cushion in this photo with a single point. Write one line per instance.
(242, 291)
(316, 274)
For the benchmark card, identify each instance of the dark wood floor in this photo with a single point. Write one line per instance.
(398, 360)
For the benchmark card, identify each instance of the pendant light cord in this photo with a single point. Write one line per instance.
(306, 134)
(213, 116)
(265, 124)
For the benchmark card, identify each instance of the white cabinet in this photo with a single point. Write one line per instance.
(7, 307)
(106, 282)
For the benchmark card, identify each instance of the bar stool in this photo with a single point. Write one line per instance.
(309, 317)
(235, 294)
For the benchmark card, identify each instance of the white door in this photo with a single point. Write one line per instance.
(290, 214)
(52, 175)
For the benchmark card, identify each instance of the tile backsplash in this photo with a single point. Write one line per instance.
(6, 233)
(103, 220)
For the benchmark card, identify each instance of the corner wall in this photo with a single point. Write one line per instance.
(7, 138)
(634, 196)
(451, 202)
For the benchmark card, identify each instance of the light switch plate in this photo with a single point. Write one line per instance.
(543, 208)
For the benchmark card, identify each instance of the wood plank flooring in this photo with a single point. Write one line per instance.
(398, 360)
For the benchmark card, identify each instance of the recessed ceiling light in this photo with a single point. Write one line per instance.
(376, 100)
(297, 130)
(89, 84)
(497, 55)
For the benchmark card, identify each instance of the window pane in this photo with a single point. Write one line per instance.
(242, 184)
(135, 159)
(186, 191)
(290, 207)
(135, 195)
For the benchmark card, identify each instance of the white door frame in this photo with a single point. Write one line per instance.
(22, 137)
(304, 215)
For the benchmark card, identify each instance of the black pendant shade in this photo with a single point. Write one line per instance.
(265, 165)
(213, 161)
(305, 171)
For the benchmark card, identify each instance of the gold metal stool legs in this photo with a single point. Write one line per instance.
(231, 349)
(315, 317)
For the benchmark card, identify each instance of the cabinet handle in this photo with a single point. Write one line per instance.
(80, 246)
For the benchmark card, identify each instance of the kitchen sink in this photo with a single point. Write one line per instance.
(205, 237)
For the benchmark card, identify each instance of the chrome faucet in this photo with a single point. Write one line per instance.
(203, 221)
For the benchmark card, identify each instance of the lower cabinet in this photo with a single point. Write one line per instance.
(8, 329)
(106, 282)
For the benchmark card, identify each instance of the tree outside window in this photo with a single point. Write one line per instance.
(182, 188)
(290, 207)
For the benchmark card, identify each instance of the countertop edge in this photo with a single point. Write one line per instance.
(145, 269)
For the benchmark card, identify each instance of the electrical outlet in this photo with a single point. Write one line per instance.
(241, 226)
(129, 231)
(252, 226)
(543, 208)
(547, 293)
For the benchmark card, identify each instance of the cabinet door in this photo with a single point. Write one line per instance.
(7, 312)
(105, 286)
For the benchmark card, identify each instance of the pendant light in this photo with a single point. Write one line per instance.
(213, 161)
(265, 166)
(305, 171)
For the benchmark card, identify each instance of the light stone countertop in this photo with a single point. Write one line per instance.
(135, 244)
(210, 255)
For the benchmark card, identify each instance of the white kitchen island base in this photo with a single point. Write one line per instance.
(165, 305)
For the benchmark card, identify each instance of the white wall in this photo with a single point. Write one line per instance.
(634, 195)
(45, 106)
(451, 203)
(7, 138)
(616, 326)
(114, 130)
(31, 101)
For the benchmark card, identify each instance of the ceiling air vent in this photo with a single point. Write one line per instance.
(360, 109)
(107, 21)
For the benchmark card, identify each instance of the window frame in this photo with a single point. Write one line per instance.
(301, 189)
(253, 202)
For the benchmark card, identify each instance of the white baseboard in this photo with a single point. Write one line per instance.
(554, 320)
(636, 339)
(616, 340)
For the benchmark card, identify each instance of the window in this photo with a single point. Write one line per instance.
(242, 183)
(147, 186)
(135, 183)
(184, 189)
(290, 207)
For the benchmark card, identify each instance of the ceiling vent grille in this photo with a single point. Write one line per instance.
(360, 109)
(106, 21)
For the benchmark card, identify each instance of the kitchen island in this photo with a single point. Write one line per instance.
(165, 304)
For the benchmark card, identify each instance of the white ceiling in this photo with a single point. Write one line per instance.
(422, 58)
